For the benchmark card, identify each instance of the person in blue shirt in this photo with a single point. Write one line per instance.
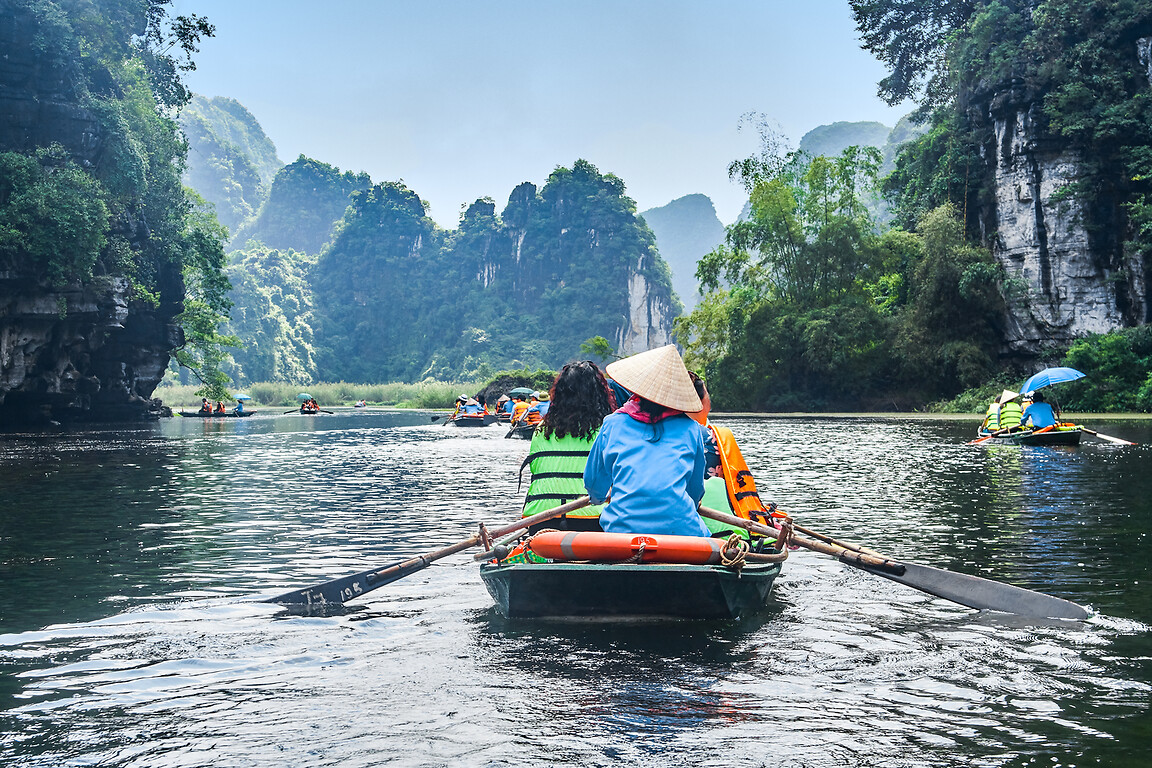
(1039, 414)
(648, 461)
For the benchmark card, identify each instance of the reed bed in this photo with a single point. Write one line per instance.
(423, 394)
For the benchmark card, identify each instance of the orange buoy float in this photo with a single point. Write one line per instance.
(651, 548)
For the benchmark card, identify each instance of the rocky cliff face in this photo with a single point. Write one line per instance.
(649, 321)
(81, 352)
(1066, 277)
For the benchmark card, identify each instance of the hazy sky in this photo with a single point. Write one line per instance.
(463, 100)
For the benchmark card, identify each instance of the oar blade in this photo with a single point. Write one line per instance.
(982, 594)
(345, 588)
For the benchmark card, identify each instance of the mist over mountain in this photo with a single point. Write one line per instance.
(231, 161)
(685, 229)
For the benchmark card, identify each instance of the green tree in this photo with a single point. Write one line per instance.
(53, 212)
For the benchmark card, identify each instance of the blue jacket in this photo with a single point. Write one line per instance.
(655, 487)
(1041, 414)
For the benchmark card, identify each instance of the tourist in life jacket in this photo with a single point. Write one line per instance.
(220, 407)
(991, 417)
(205, 406)
(992, 420)
(504, 407)
(728, 483)
(560, 446)
(647, 463)
(1010, 414)
(538, 405)
(1039, 414)
(519, 409)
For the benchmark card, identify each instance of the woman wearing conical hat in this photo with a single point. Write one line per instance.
(648, 459)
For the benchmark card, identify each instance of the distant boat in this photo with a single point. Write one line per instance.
(217, 415)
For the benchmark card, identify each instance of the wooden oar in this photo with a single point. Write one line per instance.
(1116, 440)
(347, 587)
(997, 433)
(972, 591)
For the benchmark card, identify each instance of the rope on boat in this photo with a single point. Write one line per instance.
(734, 553)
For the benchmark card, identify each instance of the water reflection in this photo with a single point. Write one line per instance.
(132, 563)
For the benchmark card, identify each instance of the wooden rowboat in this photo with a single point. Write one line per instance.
(1058, 436)
(479, 420)
(226, 414)
(522, 431)
(628, 592)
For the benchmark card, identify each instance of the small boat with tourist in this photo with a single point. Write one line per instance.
(473, 420)
(217, 414)
(1061, 434)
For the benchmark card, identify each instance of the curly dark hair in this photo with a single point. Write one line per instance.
(579, 397)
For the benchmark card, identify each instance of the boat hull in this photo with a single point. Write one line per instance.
(228, 415)
(474, 421)
(1069, 437)
(524, 431)
(628, 592)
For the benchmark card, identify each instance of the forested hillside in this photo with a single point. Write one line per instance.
(1023, 217)
(231, 161)
(397, 298)
(306, 200)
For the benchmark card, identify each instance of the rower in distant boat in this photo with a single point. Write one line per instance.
(1039, 414)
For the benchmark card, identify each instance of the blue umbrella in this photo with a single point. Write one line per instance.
(1051, 376)
(303, 396)
(242, 396)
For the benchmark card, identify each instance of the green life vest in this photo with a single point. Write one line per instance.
(992, 418)
(557, 466)
(1010, 415)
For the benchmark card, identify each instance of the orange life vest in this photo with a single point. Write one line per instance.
(518, 411)
(738, 479)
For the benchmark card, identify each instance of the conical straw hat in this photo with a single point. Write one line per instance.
(658, 375)
(1007, 395)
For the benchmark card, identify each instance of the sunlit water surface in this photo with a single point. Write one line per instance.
(132, 563)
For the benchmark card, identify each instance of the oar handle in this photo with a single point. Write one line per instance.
(528, 522)
(835, 550)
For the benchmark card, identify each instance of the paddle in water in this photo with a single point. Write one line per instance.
(345, 588)
(971, 591)
(1110, 439)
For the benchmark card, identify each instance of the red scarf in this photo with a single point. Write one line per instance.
(632, 408)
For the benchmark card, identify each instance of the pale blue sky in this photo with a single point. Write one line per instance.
(466, 99)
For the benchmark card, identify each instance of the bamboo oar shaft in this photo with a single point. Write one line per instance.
(826, 547)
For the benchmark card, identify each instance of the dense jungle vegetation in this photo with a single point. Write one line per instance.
(124, 212)
(811, 306)
(392, 296)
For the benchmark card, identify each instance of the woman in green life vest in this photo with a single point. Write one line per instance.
(1010, 414)
(560, 446)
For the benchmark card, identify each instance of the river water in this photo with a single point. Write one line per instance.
(132, 562)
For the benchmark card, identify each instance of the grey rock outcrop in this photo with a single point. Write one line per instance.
(78, 352)
(649, 321)
(1066, 278)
